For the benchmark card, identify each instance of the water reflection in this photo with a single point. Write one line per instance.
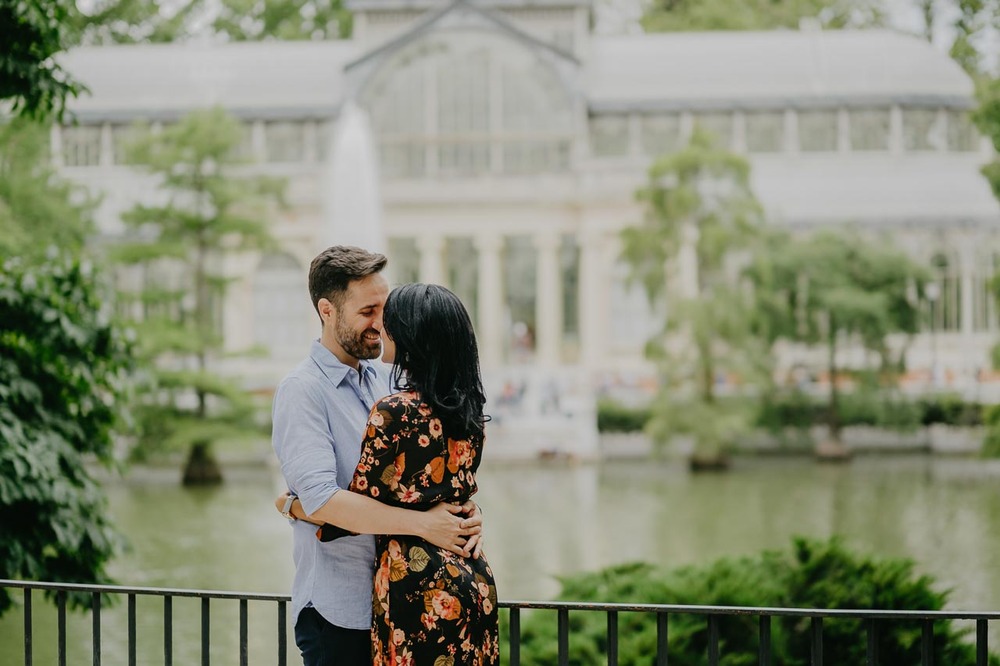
(548, 520)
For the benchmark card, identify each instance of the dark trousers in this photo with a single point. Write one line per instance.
(325, 644)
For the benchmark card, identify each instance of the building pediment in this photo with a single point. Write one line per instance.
(457, 16)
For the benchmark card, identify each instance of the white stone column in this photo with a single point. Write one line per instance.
(489, 318)
(432, 269)
(548, 299)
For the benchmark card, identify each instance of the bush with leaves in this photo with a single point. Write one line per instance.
(64, 369)
(812, 574)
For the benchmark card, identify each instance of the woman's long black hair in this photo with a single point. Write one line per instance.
(437, 355)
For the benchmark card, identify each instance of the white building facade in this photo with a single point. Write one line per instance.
(512, 138)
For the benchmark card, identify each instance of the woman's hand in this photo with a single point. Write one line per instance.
(474, 518)
(444, 526)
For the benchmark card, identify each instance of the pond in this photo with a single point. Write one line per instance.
(549, 519)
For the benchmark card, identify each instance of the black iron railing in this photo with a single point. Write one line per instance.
(873, 619)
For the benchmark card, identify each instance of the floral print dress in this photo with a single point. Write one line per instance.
(430, 607)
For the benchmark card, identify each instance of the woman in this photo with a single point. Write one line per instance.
(423, 446)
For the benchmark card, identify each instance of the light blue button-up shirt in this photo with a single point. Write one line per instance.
(320, 413)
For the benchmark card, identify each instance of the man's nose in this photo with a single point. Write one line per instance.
(377, 324)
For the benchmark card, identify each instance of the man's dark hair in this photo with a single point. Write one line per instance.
(333, 270)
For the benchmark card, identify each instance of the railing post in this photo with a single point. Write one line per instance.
(205, 632)
(95, 611)
(61, 627)
(927, 643)
(661, 639)
(563, 616)
(27, 627)
(515, 637)
(244, 654)
(982, 647)
(872, 631)
(817, 641)
(282, 633)
(713, 640)
(131, 630)
(612, 638)
(168, 630)
(764, 645)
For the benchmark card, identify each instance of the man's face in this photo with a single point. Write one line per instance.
(358, 323)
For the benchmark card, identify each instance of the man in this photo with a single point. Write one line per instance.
(319, 416)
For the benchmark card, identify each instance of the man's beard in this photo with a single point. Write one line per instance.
(353, 342)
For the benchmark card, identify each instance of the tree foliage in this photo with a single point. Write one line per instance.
(32, 33)
(695, 15)
(37, 209)
(701, 216)
(251, 20)
(837, 287)
(811, 574)
(134, 21)
(181, 247)
(63, 377)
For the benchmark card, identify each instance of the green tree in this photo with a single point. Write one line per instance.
(811, 574)
(835, 289)
(180, 248)
(695, 15)
(701, 215)
(134, 21)
(251, 20)
(37, 209)
(33, 32)
(63, 377)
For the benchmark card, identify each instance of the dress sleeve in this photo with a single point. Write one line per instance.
(379, 467)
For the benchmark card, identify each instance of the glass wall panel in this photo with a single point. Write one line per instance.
(473, 103)
(719, 125)
(81, 145)
(962, 135)
(404, 261)
(922, 130)
(569, 259)
(765, 131)
(609, 136)
(462, 265)
(284, 142)
(660, 134)
(818, 131)
(123, 137)
(519, 267)
(243, 151)
(869, 129)
(280, 323)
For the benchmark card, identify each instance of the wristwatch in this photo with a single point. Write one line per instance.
(286, 510)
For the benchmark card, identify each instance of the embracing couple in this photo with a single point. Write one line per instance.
(366, 450)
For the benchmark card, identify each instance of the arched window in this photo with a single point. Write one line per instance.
(282, 313)
(469, 103)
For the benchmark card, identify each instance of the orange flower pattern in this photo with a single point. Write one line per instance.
(429, 606)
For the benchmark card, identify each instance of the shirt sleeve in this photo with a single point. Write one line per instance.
(303, 443)
(379, 466)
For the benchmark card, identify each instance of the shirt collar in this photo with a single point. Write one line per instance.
(334, 369)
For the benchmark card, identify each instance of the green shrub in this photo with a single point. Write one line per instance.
(991, 443)
(812, 574)
(950, 410)
(615, 417)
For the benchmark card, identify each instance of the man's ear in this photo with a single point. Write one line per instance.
(327, 310)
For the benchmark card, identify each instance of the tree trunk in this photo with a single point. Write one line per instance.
(201, 468)
(832, 449)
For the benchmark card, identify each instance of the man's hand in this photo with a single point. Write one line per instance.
(442, 526)
(474, 518)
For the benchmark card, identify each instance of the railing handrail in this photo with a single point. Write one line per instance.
(854, 613)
